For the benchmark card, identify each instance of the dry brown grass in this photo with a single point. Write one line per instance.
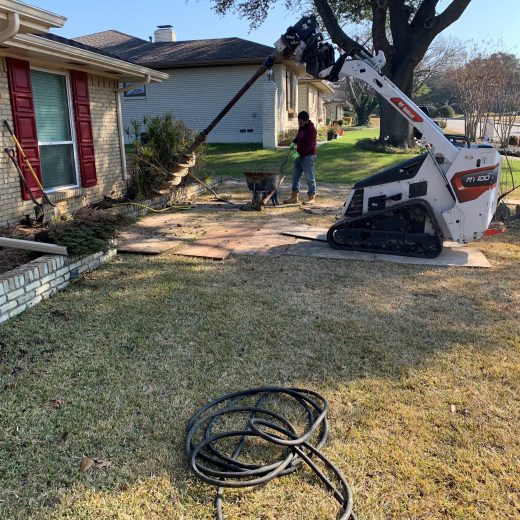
(420, 365)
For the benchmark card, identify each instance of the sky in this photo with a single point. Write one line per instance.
(483, 20)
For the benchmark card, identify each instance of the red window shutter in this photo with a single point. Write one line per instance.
(24, 121)
(87, 158)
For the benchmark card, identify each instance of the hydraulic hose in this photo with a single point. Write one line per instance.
(223, 430)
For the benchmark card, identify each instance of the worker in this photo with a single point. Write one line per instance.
(305, 159)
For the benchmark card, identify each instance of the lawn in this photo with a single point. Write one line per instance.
(421, 367)
(339, 161)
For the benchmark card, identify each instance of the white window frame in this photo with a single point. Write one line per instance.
(72, 124)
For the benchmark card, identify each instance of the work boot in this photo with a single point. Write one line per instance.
(311, 200)
(293, 198)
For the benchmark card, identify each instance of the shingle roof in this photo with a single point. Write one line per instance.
(80, 45)
(189, 53)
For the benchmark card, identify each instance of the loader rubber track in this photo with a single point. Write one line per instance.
(397, 230)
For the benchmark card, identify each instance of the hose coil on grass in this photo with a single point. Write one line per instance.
(219, 451)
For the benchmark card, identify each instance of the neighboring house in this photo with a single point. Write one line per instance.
(62, 100)
(336, 103)
(205, 75)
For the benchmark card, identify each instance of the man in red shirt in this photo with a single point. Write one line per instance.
(305, 159)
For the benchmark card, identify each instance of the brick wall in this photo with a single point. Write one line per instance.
(107, 147)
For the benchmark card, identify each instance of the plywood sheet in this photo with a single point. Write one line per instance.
(268, 240)
(264, 244)
(308, 232)
(215, 252)
(450, 256)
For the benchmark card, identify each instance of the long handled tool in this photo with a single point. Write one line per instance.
(38, 206)
(27, 163)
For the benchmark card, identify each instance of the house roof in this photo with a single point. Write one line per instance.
(78, 45)
(179, 54)
(59, 51)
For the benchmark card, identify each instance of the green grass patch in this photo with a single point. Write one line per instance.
(339, 161)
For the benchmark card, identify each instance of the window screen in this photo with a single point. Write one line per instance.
(54, 129)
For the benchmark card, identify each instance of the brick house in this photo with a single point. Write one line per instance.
(62, 100)
(205, 74)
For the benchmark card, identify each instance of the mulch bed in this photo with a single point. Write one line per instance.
(11, 258)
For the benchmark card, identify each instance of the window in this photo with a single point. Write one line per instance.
(135, 92)
(55, 132)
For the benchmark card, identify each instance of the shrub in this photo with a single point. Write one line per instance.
(434, 112)
(286, 137)
(374, 145)
(445, 111)
(86, 232)
(514, 140)
(158, 145)
(322, 132)
(442, 123)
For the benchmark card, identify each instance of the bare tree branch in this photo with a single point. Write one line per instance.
(451, 14)
(333, 28)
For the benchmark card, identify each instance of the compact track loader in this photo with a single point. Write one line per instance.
(447, 193)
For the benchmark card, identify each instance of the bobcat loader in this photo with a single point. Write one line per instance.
(448, 192)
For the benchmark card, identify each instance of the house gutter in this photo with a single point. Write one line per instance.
(13, 26)
(31, 42)
(120, 91)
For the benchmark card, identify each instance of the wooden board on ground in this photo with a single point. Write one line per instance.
(450, 256)
(264, 245)
(147, 246)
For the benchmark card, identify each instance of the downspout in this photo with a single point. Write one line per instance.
(13, 26)
(120, 91)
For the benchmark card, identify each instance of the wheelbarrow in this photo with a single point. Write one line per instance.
(264, 186)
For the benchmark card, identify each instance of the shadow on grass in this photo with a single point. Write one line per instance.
(134, 349)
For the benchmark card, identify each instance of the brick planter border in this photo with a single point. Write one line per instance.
(29, 284)
(24, 287)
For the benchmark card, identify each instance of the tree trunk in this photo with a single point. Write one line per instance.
(395, 129)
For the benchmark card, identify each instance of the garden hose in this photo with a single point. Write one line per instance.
(153, 210)
(220, 434)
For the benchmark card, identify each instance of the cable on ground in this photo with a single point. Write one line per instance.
(220, 434)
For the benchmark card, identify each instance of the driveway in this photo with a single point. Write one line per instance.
(456, 125)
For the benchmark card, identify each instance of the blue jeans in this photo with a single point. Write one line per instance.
(304, 165)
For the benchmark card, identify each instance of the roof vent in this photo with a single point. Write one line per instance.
(165, 33)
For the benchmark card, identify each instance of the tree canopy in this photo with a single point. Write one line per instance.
(402, 29)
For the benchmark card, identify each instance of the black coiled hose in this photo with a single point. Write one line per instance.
(214, 443)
